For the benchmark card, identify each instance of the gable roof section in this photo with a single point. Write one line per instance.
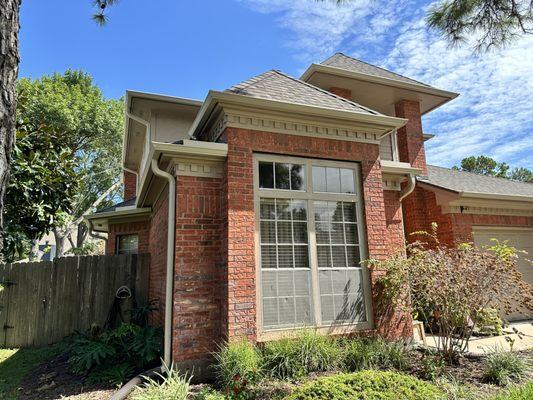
(125, 203)
(277, 86)
(475, 184)
(342, 61)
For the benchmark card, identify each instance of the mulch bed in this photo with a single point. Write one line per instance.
(52, 380)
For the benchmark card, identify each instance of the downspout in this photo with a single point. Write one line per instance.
(171, 244)
(406, 191)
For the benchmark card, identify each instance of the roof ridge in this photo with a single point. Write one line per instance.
(353, 103)
(250, 81)
(480, 175)
(375, 66)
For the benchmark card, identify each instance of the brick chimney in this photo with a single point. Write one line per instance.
(410, 137)
(130, 185)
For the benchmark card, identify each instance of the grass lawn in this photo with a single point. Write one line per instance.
(17, 363)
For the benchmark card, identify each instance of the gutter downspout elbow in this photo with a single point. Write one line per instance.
(409, 188)
(171, 244)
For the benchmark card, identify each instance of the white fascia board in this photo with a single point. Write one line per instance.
(399, 168)
(119, 212)
(490, 196)
(165, 98)
(377, 79)
(214, 98)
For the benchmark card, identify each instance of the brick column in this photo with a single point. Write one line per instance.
(410, 137)
(346, 93)
(130, 185)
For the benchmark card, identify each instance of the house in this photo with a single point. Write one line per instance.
(277, 188)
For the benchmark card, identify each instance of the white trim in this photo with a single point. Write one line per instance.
(398, 168)
(310, 196)
(417, 87)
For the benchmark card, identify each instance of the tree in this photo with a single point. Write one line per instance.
(494, 23)
(488, 166)
(9, 66)
(89, 128)
(42, 183)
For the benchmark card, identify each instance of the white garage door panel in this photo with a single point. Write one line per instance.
(522, 239)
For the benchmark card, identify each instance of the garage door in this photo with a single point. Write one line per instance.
(522, 239)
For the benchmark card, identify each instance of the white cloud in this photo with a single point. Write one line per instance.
(494, 113)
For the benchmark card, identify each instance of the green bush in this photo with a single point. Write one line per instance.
(488, 322)
(454, 389)
(503, 367)
(237, 366)
(209, 394)
(373, 353)
(432, 366)
(517, 393)
(114, 356)
(170, 386)
(367, 385)
(309, 351)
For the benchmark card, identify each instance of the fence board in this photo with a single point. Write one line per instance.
(50, 300)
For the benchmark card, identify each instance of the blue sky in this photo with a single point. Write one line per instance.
(186, 48)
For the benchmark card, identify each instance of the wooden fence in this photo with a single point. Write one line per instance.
(42, 302)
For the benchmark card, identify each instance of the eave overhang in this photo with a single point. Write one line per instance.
(100, 221)
(218, 100)
(443, 95)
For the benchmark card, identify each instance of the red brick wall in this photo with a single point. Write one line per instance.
(158, 256)
(410, 137)
(130, 185)
(393, 221)
(462, 223)
(126, 228)
(346, 93)
(241, 294)
(199, 268)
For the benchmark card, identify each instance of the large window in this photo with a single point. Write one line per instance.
(310, 244)
(127, 244)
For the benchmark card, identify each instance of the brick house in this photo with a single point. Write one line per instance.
(262, 200)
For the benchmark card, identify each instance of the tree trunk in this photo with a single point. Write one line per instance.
(34, 251)
(82, 234)
(9, 63)
(60, 237)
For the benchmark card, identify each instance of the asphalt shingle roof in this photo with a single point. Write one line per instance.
(129, 202)
(275, 85)
(342, 61)
(461, 181)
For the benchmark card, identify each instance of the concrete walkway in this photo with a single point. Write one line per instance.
(483, 345)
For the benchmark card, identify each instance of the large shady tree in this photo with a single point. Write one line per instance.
(88, 129)
(9, 65)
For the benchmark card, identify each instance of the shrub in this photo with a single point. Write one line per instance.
(432, 366)
(237, 365)
(209, 394)
(455, 390)
(114, 356)
(517, 393)
(170, 386)
(503, 367)
(489, 322)
(373, 353)
(367, 385)
(309, 351)
(450, 286)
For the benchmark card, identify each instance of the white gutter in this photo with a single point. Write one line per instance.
(406, 191)
(171, 245)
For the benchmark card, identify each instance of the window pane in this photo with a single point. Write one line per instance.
(354, 258)
(300, 232)
(337, 233)
(127, 244)
(297, 177)
(284, 232)
(268, 232)
(268, 209)
(333, 180)
(268, 257)
(349, 212)
(266, 175)
(299, 210)
(324, 256)
(283, 209)
(285, 256)
(347, 181)
(319, 179)
(322, 232)
(282, 176)
(351, 234)
(301, 257)
(335, 210)
(339, 256)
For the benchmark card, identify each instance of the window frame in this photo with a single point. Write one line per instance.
(117, 243)
(310, 197)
